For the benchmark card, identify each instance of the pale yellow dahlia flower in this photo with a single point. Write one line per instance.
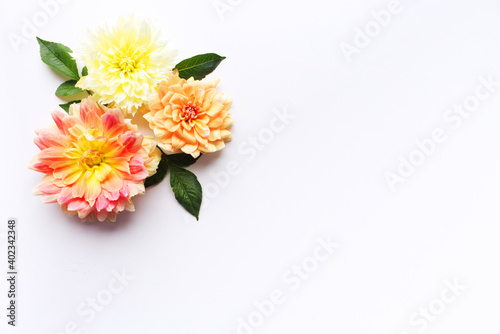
(94, 162)
(189, 116)
(125, 63)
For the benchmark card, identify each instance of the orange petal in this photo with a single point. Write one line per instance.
(92, 188)
(78, 188)
(113, 182)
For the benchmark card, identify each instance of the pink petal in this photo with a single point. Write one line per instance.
(132, 141)
(49, 198)
(48, 138)
(90, 113)
(112, 122)
(63, 121)
(101, 203)
(46, 187)
(77, 204)
(52, 154)
(137, 169)
(64, 196)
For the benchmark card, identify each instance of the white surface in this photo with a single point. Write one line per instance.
(322, 175)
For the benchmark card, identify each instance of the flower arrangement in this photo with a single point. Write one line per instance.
(94, 158)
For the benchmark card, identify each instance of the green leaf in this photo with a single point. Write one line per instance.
(186, 188)
(85, 71)
(182, 159)
(68, 88)
(65, 106)
(57, 56)
(160, 174)
(199, 66)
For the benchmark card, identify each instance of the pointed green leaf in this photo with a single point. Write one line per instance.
(85, 71)
(65, 106)
(182, 159)
(186, 188)
(57, 56)
(68, 88)
(160, 174)
(199, 66)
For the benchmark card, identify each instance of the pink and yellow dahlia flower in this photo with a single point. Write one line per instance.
(95, 161)
(189, 116)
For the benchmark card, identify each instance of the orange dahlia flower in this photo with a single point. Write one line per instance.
(189, 116)
(94, 161)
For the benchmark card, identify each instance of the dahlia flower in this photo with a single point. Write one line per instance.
(189, 116)
(95, 161)
(125, 63)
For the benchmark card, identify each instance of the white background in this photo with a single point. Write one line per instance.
(321, 175)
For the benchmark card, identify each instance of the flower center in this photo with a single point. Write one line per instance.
(127, 65)
(189, 112)
(91, 158)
